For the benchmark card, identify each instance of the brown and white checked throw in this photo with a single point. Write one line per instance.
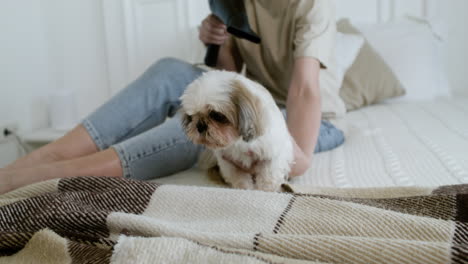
(103, 220)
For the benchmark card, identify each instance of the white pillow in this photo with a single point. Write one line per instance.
(346, 51)
(414, 53)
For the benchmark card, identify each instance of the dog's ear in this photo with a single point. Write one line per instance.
(250, 122)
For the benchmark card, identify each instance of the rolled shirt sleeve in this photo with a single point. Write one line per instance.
(315, 31)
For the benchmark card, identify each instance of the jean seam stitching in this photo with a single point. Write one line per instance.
(94, 134)
(125, 163)
(169, 146)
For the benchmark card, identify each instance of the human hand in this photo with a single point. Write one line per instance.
(213, 31)
(301, 162)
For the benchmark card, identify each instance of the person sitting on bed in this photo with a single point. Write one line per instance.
(130, 136)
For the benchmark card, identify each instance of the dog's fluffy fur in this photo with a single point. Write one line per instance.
(238, 120)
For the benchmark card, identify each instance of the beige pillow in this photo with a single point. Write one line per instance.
(369, 80)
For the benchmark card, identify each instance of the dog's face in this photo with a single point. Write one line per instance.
(218, 109)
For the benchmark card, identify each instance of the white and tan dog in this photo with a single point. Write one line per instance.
(238, 120)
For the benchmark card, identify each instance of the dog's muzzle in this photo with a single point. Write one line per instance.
(201, 127)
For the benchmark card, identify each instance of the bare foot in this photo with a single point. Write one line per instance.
(76, 143)
(15, 178)
(40, 156)
(104, 163)
(5, 182)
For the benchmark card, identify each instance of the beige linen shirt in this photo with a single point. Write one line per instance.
(291, 29)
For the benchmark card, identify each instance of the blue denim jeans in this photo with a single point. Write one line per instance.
(135, 123)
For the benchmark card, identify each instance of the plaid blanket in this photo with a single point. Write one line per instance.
(107, 220)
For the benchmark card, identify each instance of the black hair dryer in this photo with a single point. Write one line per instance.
(232, 13)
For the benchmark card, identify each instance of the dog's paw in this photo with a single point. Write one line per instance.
(269, 188)
(269, 184)
(243, 182)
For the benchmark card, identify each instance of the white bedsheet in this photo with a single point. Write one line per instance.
(393, 144)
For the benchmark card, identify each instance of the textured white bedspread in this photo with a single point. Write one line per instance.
(392, 144)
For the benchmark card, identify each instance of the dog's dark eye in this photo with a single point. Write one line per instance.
(218, 117)
(186, 120)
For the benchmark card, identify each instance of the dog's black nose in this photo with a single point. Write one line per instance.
(201, 127)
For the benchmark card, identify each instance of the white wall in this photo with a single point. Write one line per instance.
(61, 44)
(455, 13)
(47, 45)
(75, 32)
(24, 62)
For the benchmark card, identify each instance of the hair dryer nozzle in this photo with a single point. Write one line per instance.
(234, 15)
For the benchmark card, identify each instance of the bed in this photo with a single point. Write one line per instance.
(389, 144)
